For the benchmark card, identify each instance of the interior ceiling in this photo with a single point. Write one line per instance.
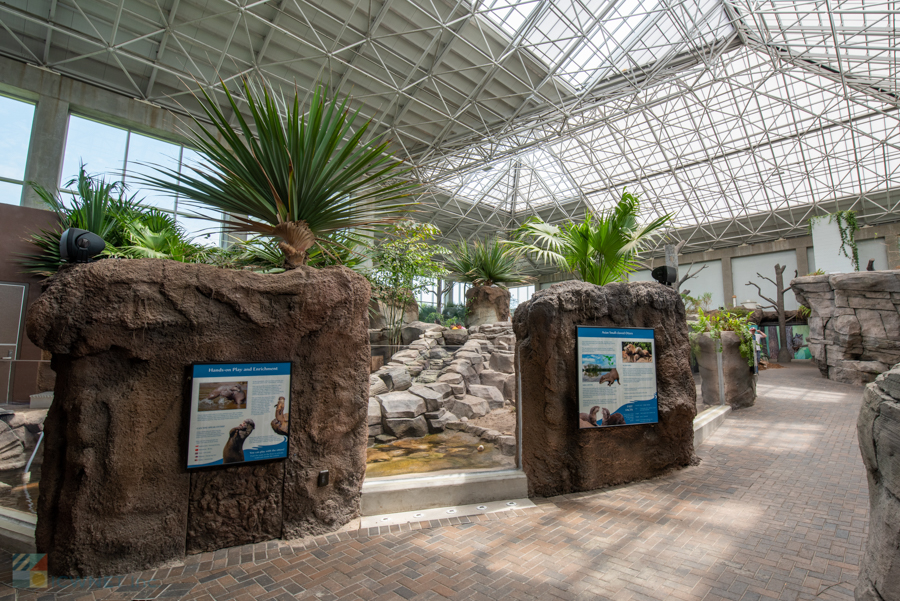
(742, 118)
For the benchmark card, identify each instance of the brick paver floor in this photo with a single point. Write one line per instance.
(777, 509)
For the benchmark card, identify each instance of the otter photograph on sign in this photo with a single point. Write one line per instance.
(239, 413)
(617, 386)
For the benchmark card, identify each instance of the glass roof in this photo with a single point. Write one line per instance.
(741, 136)
(585, 40)
(857, 38)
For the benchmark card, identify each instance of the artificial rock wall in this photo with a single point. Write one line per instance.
(560, 458)
(854, 325)
(115, 495)
(878, 430)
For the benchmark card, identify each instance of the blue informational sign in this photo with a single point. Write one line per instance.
(617, 377)
(239, 413)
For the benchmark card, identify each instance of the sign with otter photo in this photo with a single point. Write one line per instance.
(239, 413)
(617, 384)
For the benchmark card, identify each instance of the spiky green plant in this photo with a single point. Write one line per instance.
(94, 206)
(485, 263)
(292, 176)
(601, 249)
(129, 229)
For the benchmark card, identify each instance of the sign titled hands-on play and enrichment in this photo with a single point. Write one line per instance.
(239, 413)
(617, 386)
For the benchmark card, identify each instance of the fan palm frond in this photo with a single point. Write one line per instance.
(601, 249)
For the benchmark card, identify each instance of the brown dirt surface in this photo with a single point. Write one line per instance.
(503, 420)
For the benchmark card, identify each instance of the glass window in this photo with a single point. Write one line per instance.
(519, 294)
(201, 231)
(10, 194)
(145, 153)
(120, 154)
(17, 120)
(99, 146)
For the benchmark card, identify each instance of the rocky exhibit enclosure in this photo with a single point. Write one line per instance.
(854, 324)
(878, 430)
(740, 382)
(115, 494)
(444, 379)
(560, 458)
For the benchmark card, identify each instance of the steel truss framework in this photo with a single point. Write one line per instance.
(741, 117)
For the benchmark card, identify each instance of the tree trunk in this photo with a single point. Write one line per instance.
(296, 240)
(785, 353)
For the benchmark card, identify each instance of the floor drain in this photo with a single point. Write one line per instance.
(385, 519)
(418, 515)
(511, 503)
(481, 507)
(451, 511)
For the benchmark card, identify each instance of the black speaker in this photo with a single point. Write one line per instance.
(665, 275)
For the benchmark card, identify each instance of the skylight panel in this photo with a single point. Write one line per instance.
(581, 41)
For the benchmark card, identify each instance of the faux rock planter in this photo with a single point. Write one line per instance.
(560, 458)
(115, 495)
(740, 383)
(854, 323)
(486, 305)
(878, 430)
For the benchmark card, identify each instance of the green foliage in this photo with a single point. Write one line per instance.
(402, 261)
(803, 312)
(485, 263)
(817, 272)
(602, 249)
(847, 226)
(129, 229)
(693, 303)
(713, 324)
(291, 174)
(450, 315)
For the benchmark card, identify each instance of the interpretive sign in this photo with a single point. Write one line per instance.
(617, 386)
(239, 413)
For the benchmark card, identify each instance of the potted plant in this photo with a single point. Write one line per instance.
(725, 336)
(489, 267)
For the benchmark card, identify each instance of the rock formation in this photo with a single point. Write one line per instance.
(427, 386)
(740, 383)
(878, 430)
(486, 305)
(560, 458)
(854, 324)
(115, 496)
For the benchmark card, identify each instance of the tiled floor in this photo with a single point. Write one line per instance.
(776, 510)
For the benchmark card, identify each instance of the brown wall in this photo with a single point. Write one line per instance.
(16, 223)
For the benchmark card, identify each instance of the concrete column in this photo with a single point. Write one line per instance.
(892, 242)
(46, 149)
(727, 281)
(802, 262)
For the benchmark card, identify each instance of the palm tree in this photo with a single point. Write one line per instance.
(601, 249)
(292, 176)
(489, 267)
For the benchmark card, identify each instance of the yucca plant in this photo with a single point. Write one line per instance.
(95, 206)
(129, 229)
(485, 263)
(601, 249)
(292, 176)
